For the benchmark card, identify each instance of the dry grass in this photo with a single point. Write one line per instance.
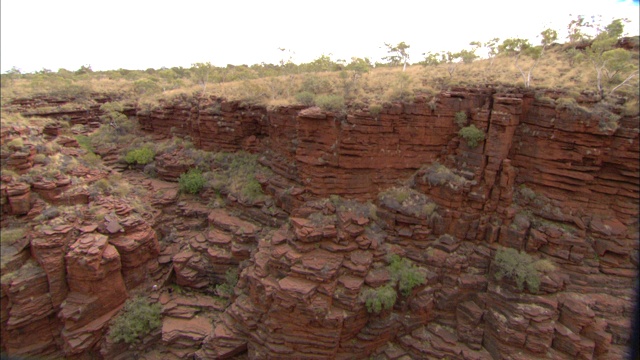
(378, 85)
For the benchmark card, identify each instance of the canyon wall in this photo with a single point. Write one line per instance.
(560, 183)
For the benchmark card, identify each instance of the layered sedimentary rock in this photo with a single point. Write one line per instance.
(559, 183)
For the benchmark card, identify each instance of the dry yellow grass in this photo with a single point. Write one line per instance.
(378, 85)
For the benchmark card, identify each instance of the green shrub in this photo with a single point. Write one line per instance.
(305, 98)
(472, 135)
(518, 266)
(191, 182)
(230, 280)
(405, 273)
(85, 143)
(460, 118)
(140, 156)
(380, 298)
(330, 102)
(252, 189)
(235, 173)
(138, 318)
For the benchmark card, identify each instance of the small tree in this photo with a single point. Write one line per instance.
(432, 59)
(202, 73)
(607, 60)
(398, 55)
(451, 59)
(492, 49)
(516, 47)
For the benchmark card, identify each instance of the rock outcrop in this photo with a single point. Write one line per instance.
(559, 184)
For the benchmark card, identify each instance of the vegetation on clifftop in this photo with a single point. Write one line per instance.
(600, 63)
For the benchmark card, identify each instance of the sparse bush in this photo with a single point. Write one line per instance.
(305, 98)
(140, 156)
(41, 159)
(407, 201)
(138, 318)
(16, 143)
(50, 213)
(236, 173)
(91, 159)
(252, 190)
(85, 142)
(460, 118)
(380, 298)
(150, 170)
(316, 85)
(9, 236)
(191, 182)
(330, 102)
(102, 185)
(472, 135)
(438, 174)
(230, 280)
(518, 266)
(375, 109)
(566, 103)
(405, 273)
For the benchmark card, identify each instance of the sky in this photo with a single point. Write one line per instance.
(141, 34)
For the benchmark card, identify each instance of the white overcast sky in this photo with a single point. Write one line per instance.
(137, 34)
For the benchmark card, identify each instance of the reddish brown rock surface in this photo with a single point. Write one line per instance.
(560, 184)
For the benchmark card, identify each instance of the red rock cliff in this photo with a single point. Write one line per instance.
(559, 183)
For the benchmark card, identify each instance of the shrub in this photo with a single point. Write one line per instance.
(91, 159)
(41, 159)
(438, 174)
(191, 182)
(407, 201)
(305, 98)
(9, 236)
(375, 109)
(316, 85)
(85, 142)
(472, 135)
(380, 298)
(230, 281)
(102, 185)
(252, 189)
(406, 274)
(138, 318)
(518, 266)
(460, 118)
(17, 143)
(330, 102)
(49, 213)
(140, 156)
(150, 170)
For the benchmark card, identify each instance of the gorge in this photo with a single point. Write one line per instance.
(557, 182)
